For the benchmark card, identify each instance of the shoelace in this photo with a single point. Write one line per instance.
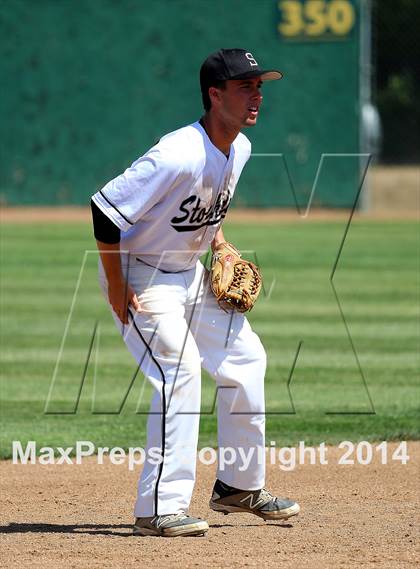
(267, 496)
(161, 520)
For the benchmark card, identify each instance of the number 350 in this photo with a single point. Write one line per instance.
(316, 17)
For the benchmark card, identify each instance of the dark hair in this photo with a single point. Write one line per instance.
(205, 92)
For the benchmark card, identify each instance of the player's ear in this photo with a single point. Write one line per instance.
(214, 94)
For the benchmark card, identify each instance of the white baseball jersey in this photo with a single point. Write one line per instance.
(170, 203)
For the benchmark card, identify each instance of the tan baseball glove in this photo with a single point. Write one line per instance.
(235, 282)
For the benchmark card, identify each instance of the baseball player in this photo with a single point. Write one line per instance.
(152, 223)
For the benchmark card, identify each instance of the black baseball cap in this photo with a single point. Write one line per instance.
(236, 63)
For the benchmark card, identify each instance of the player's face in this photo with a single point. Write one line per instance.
(240, 102)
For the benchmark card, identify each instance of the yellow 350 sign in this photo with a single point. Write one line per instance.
(316, 18)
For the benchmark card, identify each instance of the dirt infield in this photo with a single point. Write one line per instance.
(82, 215)
(80, 517)
(394, 193)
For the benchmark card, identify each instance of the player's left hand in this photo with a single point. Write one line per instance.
(235, 282)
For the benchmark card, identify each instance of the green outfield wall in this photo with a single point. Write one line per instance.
(88, 85)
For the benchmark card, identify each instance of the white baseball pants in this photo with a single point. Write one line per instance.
(181, 328)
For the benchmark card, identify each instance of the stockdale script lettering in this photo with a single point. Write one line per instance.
(195, 215)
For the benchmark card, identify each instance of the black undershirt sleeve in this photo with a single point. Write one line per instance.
(103, 228)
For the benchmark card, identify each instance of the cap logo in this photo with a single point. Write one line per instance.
(251, 59)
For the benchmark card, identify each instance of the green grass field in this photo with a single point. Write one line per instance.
(336, 395)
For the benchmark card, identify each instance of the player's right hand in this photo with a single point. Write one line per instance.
(120, 296)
